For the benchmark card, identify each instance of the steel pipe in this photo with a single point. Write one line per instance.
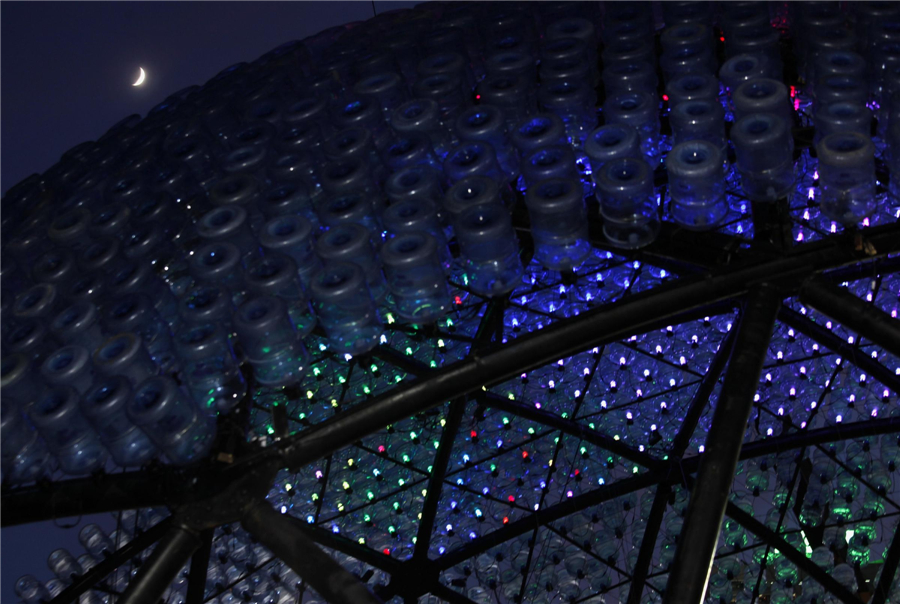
(169, 556)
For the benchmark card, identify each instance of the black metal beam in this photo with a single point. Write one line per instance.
(156, 574)
(648, 544)
(888, 570)
(851, 353)
(199, 567)
(347, 546)
(286, 541)
(110, 563)
(799, 560)
(436, 480)
(570, 426)
(703, 521)
(701, 396)
(856, 314)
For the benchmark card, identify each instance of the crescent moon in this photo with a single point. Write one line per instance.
(141, 77)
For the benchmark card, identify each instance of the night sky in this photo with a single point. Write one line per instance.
(67, 73)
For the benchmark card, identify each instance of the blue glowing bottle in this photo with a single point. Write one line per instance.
(490, 248)
(168, 415)
(276, 275)
(104, 407)
(415, 277)
(764, 148)
(270, 342)
(352, 243)
(292, 236)
(70, 438)
(209, 367)
(345, 307)
(697, 184)
(847, 176)
(627, 203)
(558, 223)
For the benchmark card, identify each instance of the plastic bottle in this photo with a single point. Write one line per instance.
(123, 354)
(269, 341)
(558, 223)
(697, 184)
(352, 243)
(627, 204)
(293, 236)
(847, 176)
(415, 277)
(69, 366)
(209, 367)
(103, 405)
(69, 437)
(24, 456)
(277, 275)
(345, 307)
(171, 419)
(764, 150)
(489, 246)
(134, 313)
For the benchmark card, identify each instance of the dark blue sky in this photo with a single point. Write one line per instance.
(68, 66)
(67, 72)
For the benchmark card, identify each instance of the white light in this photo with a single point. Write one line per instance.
(141, 77)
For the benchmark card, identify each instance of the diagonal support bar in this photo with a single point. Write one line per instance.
(864, 318)
(648, 544)
(199, 567)
(286, 541)
(157, 573)
(788, 551)
(703, 521)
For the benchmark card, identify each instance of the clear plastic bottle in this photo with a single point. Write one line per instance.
(219, 263)
(842, 117)
(293, 236)
(414, 215)
(270, 342)
(415, 277)
(65, 566)
(489, 245)
(96, 541)
(409, 150)
(487, 123)
(101, 255)
(610, 142)
(134, 313)
(549, 162)
(352, 207)
(17, 380)
(446, 91)
(171, 419)
(353, 243)
(514, 94)
(739, 69)
(387, 88)
(641, 112)
(123, 354)
(277, 275)
(69, 437)
(56, 267)
(697, 184)
(693, 87)
(762, 95)
(538, 131)
(764, 148)
(70, 229)
(471, 158)
(24, 456)
(629, 76)
(699, 120)
(30, 338)
(847, 176)
(131, 276)
(414, 182)
(422, 116)
(840, 89)
(69, 366)
(209, 367)
(345, 307)
(571, 102)
(38, 302)
(627, 202)
(31, 590)
(558, 223)
(230, 223)
(471, 191)
(103, 405)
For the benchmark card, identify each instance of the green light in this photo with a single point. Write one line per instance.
(505, 421)
(370, 495)
(531, 430)
(270, 429)
(409, 351)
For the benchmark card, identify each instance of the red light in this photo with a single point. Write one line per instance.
(793, 91)
(506, 520)
(666, 97)
(473, 434)
(387, 552)
(457, 300)
(381, 448)
(477, 97)
(512, 498)
(524, 454)
(721, 38)
(577, 472)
